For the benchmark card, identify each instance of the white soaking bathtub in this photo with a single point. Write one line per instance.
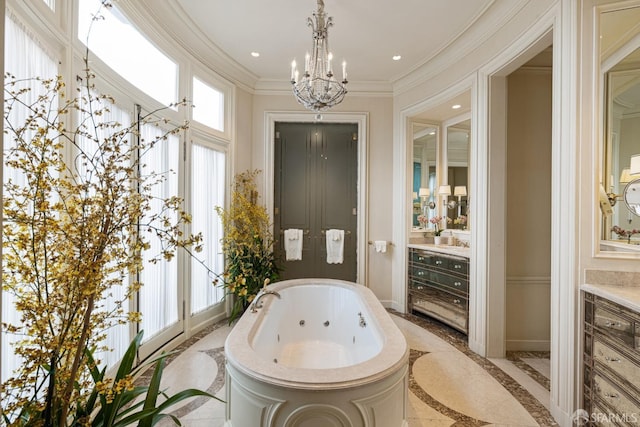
(324, 354)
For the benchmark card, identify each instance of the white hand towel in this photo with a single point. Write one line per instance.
(335, 246)
(293, 244)
(381, 246)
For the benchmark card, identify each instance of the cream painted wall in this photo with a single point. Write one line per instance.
(380, 153)
(528, 185)
(243, 140)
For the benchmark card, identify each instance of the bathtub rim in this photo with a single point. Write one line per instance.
(393, 356)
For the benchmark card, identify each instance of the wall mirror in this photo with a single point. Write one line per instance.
(425, 151)
(457, 206)
(620, 184)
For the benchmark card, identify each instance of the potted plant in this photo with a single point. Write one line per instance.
(74, 229)
(247, 244)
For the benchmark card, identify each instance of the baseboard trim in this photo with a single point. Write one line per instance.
(528, 345)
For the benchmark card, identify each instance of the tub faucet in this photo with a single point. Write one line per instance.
(257, 303)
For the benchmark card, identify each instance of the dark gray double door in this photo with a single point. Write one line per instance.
(316, 189)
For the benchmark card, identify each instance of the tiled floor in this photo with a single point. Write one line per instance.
(448, 386)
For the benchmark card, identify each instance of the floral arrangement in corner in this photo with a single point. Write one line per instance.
(247, 244)
(622, 233)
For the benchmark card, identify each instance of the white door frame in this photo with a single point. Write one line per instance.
(361, 119)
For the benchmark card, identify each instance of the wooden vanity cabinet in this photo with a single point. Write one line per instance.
(439, 287)
(611, 362)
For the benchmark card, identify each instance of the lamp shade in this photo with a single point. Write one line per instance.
(625, 176)
(444, 190)
(460, 190)
(424, 192)
(634, 167)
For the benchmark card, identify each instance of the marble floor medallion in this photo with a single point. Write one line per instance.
(448, 384)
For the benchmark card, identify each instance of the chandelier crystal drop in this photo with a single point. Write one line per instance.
(318, 89)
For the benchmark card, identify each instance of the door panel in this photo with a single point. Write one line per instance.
(316, 190)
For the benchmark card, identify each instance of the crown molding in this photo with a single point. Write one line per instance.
(495, 16)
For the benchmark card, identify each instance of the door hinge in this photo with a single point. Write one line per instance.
(354, 211)
(276, 211)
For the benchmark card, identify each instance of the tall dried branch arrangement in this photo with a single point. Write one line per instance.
(75, 227)
(247, 244)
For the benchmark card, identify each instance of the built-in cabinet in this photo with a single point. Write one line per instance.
(439, 286)
(611, 362)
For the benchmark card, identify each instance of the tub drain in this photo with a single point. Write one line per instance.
(275, 360)
(301, 323)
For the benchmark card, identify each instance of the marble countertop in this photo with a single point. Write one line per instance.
(445, 249)
(626, 295)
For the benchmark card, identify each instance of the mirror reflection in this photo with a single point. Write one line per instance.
(425, 142)
(458, 137)
(620, 58)
(632, 197)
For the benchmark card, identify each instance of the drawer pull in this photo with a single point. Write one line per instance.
(612, 359)
(457, 266)
(611, 395)
(613, 324)
(457, 284)
(438, 262)
(456, 301)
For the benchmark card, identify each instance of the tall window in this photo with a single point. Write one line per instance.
(208, 105)
(207, 191)
(158, 298)
(25, 58)
(115, 41)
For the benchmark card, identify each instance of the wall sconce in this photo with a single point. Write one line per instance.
(625, 177)
(445, 192)
(424, 194)
(460, 191)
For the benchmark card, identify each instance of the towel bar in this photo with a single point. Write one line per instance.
(388, 243)
(346, 232)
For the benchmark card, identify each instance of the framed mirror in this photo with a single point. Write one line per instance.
(620, 179)
(457, 206)
(425, 151)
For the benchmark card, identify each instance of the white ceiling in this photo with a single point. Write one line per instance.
(366, 33)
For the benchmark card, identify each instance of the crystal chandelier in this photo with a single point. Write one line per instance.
(318, 89)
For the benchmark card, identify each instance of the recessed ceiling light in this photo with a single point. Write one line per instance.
(255, 54)
(397, 57)
(456, 106)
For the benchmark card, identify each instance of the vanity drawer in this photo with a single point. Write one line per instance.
(446, 307)
(420, 257)
(625, 407)
(626, 368)
(614, 325)
(459, 266)
(456, 283)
